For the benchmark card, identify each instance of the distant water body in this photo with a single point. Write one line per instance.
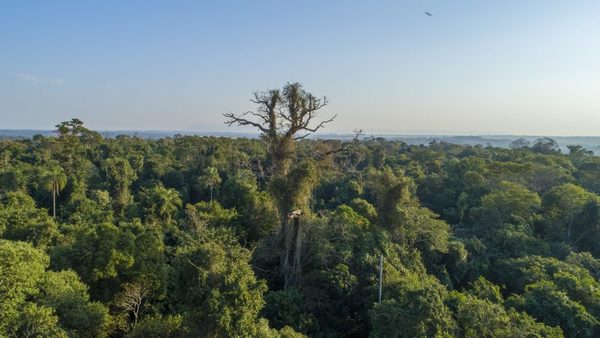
(502, 141)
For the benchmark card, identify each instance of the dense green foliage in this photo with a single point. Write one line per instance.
(192, 236)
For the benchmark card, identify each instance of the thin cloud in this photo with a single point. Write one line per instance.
(38, 80)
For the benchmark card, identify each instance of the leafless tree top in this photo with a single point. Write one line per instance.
(289, 113)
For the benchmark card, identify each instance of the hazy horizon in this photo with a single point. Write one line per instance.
(473, 68)
(319, 134)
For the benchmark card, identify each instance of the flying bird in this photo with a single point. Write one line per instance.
(428, 13)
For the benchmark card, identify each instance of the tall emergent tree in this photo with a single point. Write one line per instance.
(74, 143)
(283, 117)
(54, 180)
(210, 179)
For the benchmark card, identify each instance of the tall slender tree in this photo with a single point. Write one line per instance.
(54, 180)
(210, 179)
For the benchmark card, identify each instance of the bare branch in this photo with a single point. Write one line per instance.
(345, 145)
(262, 117)
(240, 121)
(258, 99)
(312, 130)
(131, 298)
(285, 116)
(302, 136)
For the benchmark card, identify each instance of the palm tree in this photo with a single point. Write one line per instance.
(54, 180)
(160, 203)
(168, 202)
(210, 179)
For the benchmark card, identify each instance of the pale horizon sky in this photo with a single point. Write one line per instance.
(474, 67)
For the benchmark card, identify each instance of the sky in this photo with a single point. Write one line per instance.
(474, 67)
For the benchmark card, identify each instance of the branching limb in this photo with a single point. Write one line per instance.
(233, 119)
(344, 146)
(309, 131)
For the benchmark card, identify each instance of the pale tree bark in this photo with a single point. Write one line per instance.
(292, 261)
(132, 297)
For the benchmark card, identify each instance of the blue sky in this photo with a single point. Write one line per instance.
(474, 67)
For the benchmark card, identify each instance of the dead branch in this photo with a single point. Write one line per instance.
(344, 146)
(240, 121)
(132, 297)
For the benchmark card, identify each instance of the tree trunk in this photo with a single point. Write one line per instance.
(283, 152)
(569, 229)
(136, 311)
(292, 260)
(380, 278)
(297, 264)
(53, 202)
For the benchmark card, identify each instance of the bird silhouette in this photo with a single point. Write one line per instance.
(428, 13)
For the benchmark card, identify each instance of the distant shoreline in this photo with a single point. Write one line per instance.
(501, 141)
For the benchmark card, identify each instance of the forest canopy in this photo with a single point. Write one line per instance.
(281, 236)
